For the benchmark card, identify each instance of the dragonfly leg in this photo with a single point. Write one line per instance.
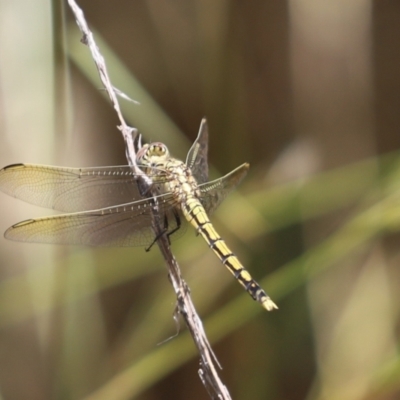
(163, 232)
(165, 229)
(178, 225)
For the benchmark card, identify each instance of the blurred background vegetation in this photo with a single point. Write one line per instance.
(309, 94)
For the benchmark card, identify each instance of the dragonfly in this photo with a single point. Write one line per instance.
(106, 206)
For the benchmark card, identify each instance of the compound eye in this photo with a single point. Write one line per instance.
(150, 152)
(158, 149)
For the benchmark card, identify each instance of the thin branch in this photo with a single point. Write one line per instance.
(128, 132)
(208, 371)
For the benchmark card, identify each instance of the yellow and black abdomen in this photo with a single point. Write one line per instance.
(195, 214)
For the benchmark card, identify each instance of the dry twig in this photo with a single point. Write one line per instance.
(185, 307)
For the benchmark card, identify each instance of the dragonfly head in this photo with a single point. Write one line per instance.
(151, 154)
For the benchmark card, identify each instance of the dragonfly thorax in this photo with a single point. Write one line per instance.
(168, 174)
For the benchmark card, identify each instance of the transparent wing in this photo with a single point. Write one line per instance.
(214, 192)
(196, 158)
(121, 226)
(70, 189)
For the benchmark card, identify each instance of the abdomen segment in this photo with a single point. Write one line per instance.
(197, 216)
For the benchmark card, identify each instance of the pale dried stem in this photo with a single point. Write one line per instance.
(208, 371)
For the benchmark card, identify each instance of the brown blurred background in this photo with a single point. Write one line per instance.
(308, 93)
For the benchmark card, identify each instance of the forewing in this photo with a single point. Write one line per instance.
(122, 226)
(214, 192)
(70, 189)
(196, 158)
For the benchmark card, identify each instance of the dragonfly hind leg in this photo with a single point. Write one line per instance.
(165, 230)
(178, 226)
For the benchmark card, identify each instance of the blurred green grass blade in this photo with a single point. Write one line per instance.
(269, 209)
(14, 307)
(385, 382)
(328, 191)
(150, 369)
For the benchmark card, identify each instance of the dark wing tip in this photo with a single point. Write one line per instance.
(12, 233)
(22, 223)
(16, 234)
(13, 166)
